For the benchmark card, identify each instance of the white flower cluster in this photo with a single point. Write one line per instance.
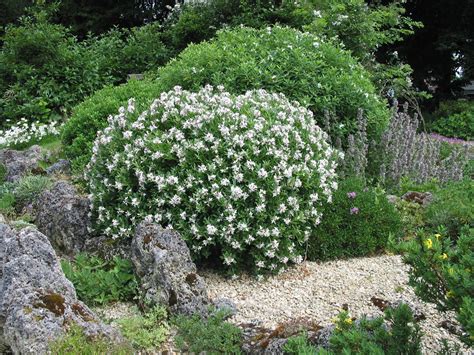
(243, 176)
(24, 132)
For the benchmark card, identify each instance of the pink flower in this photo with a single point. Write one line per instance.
(352, 194)
(354, 210)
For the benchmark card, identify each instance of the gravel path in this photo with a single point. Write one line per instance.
(319, 291)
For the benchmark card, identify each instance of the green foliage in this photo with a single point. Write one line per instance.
(412, 217)
(455, 119)
(212, 335)
(146, 332)
(452, 207)
(76, 342)
(301, 66)
(7, 198)
(441, 272)
(90, 116)
(361, 28)
(98, 281)
(395, 333)
(354, 226)
(299, 345)
(43, 70)
(29, 188)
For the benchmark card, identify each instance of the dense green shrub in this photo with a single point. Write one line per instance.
(212, 335)
(76, 342)
(121, 52)
(98, 281)
(452, 207)
(241, 177)
(441, 272)
(358, 222)
(395, 333)
(90, 116)
(43, 70)
(454, 118)
(146, 332)
(301, 66)
(458, 125)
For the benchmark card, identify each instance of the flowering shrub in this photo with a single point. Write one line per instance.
(441, 272)
(89, 117)
(238, 176)
(25, 132)
(357, 223)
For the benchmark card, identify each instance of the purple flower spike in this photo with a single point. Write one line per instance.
(354, 210)
(352, 194)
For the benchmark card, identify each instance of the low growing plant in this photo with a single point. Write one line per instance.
(212, 335)
(29, 188)
(242, 178)
(76, 342)
(146, 332)
(441, 272)
(395, 333)
(98, 281)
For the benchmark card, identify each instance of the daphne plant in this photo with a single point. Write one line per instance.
(242, 177)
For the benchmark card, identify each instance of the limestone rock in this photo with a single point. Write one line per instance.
(61, 166)
(20, 163)
(62, 215)
(167, 274)
(37, 302)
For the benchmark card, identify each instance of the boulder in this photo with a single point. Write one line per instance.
(422, 198)
(62, 166)
(5, 232)
(63, 216)
(37, 303)
(167, 274)
(20, 163)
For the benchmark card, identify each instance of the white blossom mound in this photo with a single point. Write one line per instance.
(241, 177)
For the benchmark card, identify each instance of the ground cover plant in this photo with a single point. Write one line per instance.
(146, 332)
(98, 281)
(240, 177)
(212, 335)
(395, 333)
(76, 342)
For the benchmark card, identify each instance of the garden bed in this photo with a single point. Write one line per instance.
(319, 291)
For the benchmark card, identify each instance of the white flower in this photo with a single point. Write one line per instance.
(211, 230)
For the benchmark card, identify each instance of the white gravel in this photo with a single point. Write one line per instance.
(319, 290)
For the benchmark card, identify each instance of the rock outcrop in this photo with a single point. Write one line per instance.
(37, 303)
(63, 216)
(168, 276)
(62, 166)
(20, 163)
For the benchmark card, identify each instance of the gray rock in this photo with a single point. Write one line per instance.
(5, 232)
(20, 163)
(275, 346)
(226, 305)
(393, 199)
(62, 166)
(324, 335)
(167, 274)
(107, 248)
(62, 215)
(37, 302)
